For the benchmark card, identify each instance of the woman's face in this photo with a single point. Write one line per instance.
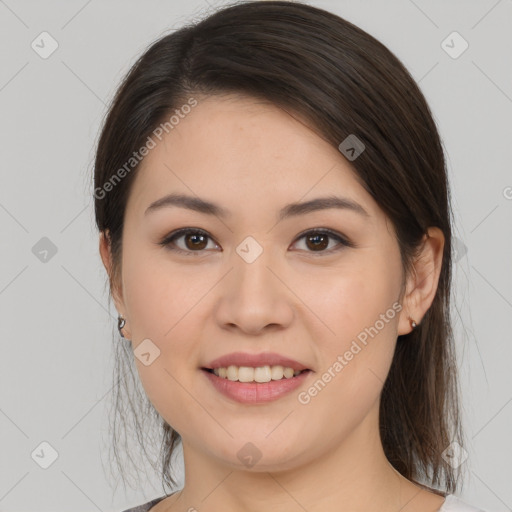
(259, 282)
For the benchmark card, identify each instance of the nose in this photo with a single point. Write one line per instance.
(254, 297)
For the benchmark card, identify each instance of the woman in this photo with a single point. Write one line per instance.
(273, 207)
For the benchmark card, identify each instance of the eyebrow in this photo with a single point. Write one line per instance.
(293, 209)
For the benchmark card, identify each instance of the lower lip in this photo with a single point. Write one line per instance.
(256, 392)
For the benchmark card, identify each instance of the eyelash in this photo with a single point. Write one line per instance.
(168, 240)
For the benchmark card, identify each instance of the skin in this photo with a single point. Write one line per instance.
(253, 158)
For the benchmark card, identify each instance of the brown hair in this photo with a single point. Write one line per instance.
(321, 68)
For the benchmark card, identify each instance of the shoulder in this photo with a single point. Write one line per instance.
(145, 506)
(454, 504)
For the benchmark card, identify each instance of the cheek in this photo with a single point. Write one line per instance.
(361, 312)
(157, 296)
(160, 306)
(355, 365)
(354, 299)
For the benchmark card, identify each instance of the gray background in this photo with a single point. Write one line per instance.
(56, 325)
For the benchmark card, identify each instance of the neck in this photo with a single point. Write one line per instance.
(353, 474)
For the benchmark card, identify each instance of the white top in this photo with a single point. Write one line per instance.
(454, 504)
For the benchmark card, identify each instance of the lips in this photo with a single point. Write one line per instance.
(255, 392)
(255, 361)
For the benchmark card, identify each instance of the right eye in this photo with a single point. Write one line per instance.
(195, 239)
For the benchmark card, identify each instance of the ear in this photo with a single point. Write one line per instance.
(115, 287)
(422, 284)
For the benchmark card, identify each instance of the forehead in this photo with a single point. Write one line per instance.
(242, 150)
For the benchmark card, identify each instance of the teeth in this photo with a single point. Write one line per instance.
(259, 374)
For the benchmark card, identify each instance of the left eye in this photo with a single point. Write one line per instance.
(319, 240)
(196, 240)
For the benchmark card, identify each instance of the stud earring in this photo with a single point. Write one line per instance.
(413, 323)
(120, 324)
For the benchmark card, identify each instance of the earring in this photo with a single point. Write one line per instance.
(120, 324)
(413, 323)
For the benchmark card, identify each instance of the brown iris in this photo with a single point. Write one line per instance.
(320, 240)
(199, 241)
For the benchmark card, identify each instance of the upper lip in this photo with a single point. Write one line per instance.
(255, 360)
